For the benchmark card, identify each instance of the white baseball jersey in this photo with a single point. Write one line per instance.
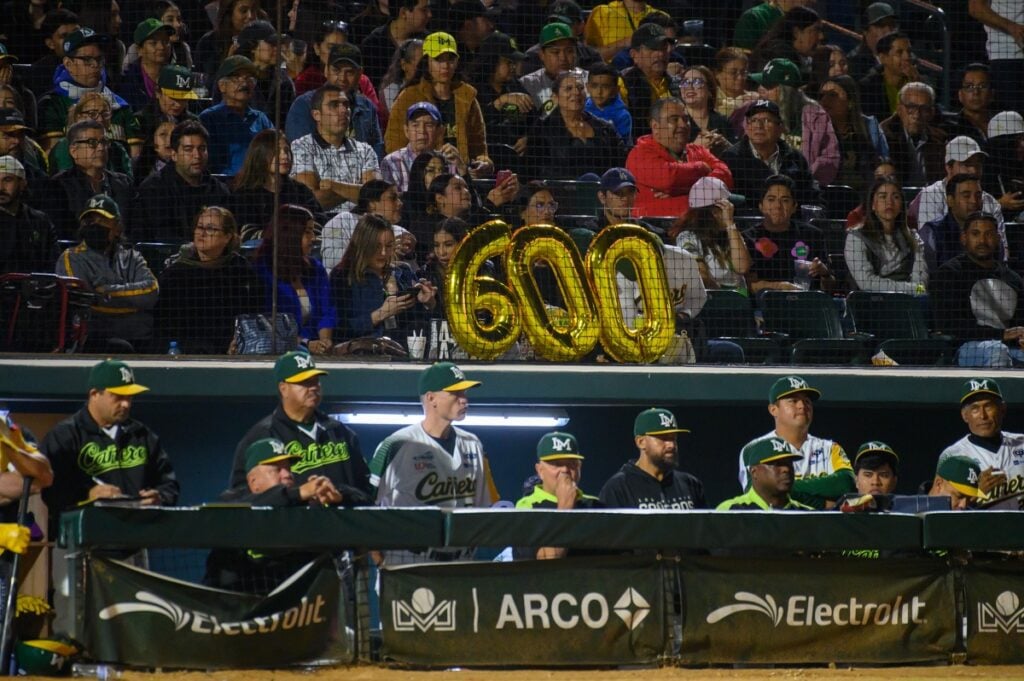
(821, 457)
(1009, 459)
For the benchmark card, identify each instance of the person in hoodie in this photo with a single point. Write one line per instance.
(81, 71)
(652, 481)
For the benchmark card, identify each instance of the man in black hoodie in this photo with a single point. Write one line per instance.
(652, 481)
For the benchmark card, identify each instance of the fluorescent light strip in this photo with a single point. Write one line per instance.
(481, 417)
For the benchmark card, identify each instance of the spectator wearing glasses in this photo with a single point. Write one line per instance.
(708, 128)
(82, 72)
(731, 73)
(916, 147)
(234, 122)
(976, 99)
(409, 19)
(92, 107)
(647, 81)
(139, 84)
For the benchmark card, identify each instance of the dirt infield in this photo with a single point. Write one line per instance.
(367, 673)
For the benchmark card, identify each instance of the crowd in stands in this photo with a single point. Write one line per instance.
(193, 163)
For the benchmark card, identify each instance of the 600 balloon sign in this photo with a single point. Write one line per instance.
(587, 285)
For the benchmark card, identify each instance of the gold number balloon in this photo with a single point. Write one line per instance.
(466, 293)
(653, 335)
(554, 336)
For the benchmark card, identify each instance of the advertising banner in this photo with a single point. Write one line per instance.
(576, 611)
(995, 614)
(794, 610)
(137, 617)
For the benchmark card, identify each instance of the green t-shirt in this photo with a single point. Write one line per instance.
(754, 23)
(752, 501)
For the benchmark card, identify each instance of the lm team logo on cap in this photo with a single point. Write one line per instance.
(561, 444)
(983, 384)
(779, 445)
(303, 361)
(127, 376)
(797, 383)
(667, 420)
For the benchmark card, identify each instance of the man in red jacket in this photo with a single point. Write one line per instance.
(666, 165)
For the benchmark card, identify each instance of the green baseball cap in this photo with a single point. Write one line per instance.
(102, 204)
(235, 64)
(656, 421)
(295, 367)
(778, 72)
(769, 450)
(979, 387)
(44, 657)
(558, 445)
(266, 451)
(877, 447)
(554, 32)
(444, 376)
(787, 385)
(176, 82)
(150, 27)
(963, 474)
(115, 376)
(81, 37)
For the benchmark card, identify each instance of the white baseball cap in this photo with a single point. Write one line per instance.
(11, 166)
(1006, 123)
(707, 191)
(962, 148)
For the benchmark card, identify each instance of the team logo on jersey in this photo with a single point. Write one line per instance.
(316, 455)
(1005, 615)
(423, 612)
(433, 488)
(560, 445)
(95, 460)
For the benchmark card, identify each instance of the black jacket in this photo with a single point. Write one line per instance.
(903, 157)
(256, 206)
(334, 452)
(28, 241)
(554, 154)
(83, 455)
(634, 488)
(641, 97)
(750, 172)
(69, 190)
(960, 291)
(166, 206)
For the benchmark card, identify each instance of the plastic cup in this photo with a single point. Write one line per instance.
(810, 212)
(802, 274)
(417, 345)
(694, 29)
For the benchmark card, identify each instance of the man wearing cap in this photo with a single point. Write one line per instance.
(617, 196)
(323, 446)
(880, 20)
(557, 54)
(434, 463)
(665, 163)
(234, 121)
(962, 195)
(126, 288)
(259, 41)
(169, 200)
(652, 481)
(823, 472)
(647, 80)
(724, 272)
(998, 454)
(82, 71)
(762, 152)
(175, 88)
(423, 129)
(958, 478)
(611, 26)
(567, 12)
(1006, 172)
(409, 19)
(769, 463)
(100, 452)
(559, 466)
(333, 165)
(876, 467)
(344, 69)
(139, 84)
(28, 240)
(16, 141)
(470, 23)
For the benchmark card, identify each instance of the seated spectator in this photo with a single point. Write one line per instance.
(166, 206)
(861, 142)
(215, 45)
(569, 142)
(794, 37)
(329, 162)
(302, 285)
(566, 12)
(755, 22)
(779, 241)
(537, 206)
(423, 129)
(234, 122)
(611, 27)
(976, 99)
(447, 196)
(400, 73)
(977, 299)
(1005, 147)
(828, 61)
(666, 165)
(260, 43)
(28, 241)
(448, 234)
(15, 141)
(941, 237)
(14, 80)
(47, 54)
(884, 254)
(880, 20)
(762, 152)
(507, 109)
(171, 96)
(557, 54)
(604, 101)
(731, 71)
(915, 145)
(884, 168)
(376, 197)
(709, 233)
(880, 89)
(469, 23)
(708, 128)
(409, 19)
(139, 82)
(374, 295)
(437, 81)
(169, 14)
(95, 107)
(117, 273)
(156, 151)
(648, 81)
(205, 286)
(267, 168)
(344, 70)
(81, 72)
(68, 192)
(963, 155)
(328, 34)
(617, 196)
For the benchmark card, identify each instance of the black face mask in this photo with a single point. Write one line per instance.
(95, 235)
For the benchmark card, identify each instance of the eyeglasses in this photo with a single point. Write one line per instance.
(693, 83)
(96, 114)
(94, 143)
(975, 87)
(546, 206)
(209, 229)
(91, 61)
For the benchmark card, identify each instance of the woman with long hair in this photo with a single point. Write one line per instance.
(205, 286)
(861, 142)
(708, 128)
(104, 17)
(508, 109)
(448, 234)
(884, 254)
(828, 61)
(156, 149)
(376, 197)
(731, 71)
(302, 284)
(265, 169)
(401, 71)
(793, 37)
(708, 232)
(375, 295)
(216, 44)
(448, 196)
(424, 169)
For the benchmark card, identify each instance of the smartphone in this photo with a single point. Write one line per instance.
(502, 177)
(411, 291)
